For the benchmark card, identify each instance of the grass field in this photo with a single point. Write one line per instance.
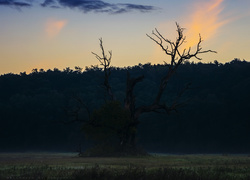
(69, 166)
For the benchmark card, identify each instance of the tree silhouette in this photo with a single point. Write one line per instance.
(127, 141)
(105, 62)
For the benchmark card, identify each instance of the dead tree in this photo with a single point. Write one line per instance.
(105, 62)
(172, 49)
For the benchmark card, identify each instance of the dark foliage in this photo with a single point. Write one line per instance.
(34, 108)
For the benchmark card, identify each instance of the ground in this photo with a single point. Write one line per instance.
(156, 166)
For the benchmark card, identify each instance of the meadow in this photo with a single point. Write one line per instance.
(155, 166)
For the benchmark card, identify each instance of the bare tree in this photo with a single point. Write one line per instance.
(105, 62)
(172, 49)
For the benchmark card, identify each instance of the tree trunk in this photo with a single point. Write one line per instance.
(129, 105)
(128, 142)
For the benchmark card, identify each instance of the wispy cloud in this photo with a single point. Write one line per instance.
(136, 7)
(16, 4)
(97, 6)
(205, 20)
(53, 27)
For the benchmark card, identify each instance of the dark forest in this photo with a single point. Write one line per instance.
(36, 109)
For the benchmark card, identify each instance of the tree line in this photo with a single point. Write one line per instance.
(35, 107)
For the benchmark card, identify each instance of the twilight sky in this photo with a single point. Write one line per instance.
(63, 33)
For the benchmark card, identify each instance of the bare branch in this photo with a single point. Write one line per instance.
(105, 62)
(74, 113)
(175, 103)
(166, 40)
(177, 58)
(160, 43)
(84, 105)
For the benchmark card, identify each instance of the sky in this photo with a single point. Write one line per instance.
(48, 34)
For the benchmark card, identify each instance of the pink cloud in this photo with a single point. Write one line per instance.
(53, 27)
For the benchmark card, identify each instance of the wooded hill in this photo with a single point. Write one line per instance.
(35, 108)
